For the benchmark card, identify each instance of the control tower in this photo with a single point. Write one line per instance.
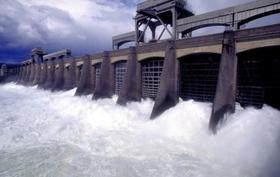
(154, 13)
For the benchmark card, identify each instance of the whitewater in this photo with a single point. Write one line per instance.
(44, 134)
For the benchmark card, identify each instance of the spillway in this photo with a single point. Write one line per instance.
(58, 134)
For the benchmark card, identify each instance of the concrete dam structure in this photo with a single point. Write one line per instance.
(239, 65)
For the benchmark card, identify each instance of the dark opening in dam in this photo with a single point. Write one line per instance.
(119, 72)
(151, 72)
(259, 77)
(198, 76)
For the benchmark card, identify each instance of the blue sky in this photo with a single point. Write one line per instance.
(84, 26)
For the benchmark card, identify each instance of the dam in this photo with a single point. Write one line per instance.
(237, 66)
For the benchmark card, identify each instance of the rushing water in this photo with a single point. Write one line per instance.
(57, 134)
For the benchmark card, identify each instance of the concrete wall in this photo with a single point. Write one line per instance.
(61, 72)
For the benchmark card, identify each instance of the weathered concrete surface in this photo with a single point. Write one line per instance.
(85, 85)
(79, 68)
(93, 76)
(27, 75)
(37, 73)
(226, 88)
(131, 89)
(23, 74)
(32, 73)
(167, 95)
(70, 74)
(19, 74)
(37, 55)
(43, 74)
(59, 75)
(104, 88)
(50, 74)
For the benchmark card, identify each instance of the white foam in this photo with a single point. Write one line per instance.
(88, 137)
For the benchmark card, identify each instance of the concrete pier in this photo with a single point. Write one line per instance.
(37, 55)
(70, 74)
(32, 73)
(23, 74)
(226, 87)
(27, 74)
(50, 74)
(58, 75)
(167, 95)
(79, 68)
(131, 89)
(19, 74)
(37, 73)
(43, 74)
(105, 87)
(85, 85)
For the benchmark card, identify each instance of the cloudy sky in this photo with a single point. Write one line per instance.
(84, 26)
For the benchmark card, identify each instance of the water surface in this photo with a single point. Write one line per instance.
(44, 134)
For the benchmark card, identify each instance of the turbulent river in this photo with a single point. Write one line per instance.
(57, 134)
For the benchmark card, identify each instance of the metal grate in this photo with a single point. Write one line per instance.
(198, 77)
(151, 72)
(120, 70)
(259, 77)
(250, 96)
(250, 91)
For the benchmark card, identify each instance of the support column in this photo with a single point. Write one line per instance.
(224, 101)
(50, 74)
(70, 74)
(32, 73)
(85, 86)
(167, 95)
(59, 74)
(20, 74)
(27, 75)
(43, 74)
(37, 55)
(37, 73)
(23, 74)
(79, 69)
(93, 76)
(131, 89)
(105, 87)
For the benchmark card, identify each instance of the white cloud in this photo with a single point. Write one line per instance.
(85, 26)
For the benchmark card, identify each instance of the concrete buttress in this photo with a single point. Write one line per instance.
(50, 74)
(224, 101)
(167, 95)
(104, 88)
(131, 89)
(58, 75)
(43, 74)
(20, 73)
(70, 74)
(27, 74)
(85, 85)
(32, 73)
